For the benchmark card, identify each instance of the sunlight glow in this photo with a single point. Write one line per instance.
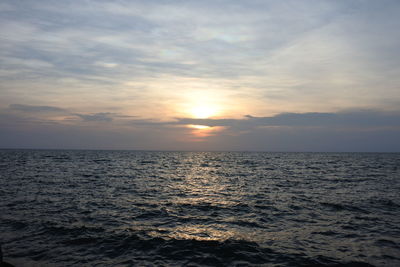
(203, 111)
(203, 131)
(199, 127)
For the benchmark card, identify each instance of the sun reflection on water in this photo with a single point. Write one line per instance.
(203, 191)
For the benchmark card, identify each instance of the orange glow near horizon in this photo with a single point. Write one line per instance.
(202, 131)
(199, 127)
(202, 105)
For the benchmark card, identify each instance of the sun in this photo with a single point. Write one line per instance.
(203, 111)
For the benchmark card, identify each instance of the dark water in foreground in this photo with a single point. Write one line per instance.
(121, 208)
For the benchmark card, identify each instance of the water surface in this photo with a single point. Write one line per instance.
(127, 208)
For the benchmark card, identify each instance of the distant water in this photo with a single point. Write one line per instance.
(124, 208)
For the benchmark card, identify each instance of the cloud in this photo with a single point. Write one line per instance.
(50, 114)
(295, 56)
(358, 118)
(31, 108)
(343, 119)
(303, 60)
(350, 130)
(102, 116)
(38, 112)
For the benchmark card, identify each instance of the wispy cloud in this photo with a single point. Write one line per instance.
(31, 108)
(104, 116)
(289, 54)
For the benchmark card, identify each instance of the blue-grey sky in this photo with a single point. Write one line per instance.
(300, 75)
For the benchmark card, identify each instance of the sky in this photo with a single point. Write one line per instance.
(300, 75)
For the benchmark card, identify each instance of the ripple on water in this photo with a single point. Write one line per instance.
(122, 208)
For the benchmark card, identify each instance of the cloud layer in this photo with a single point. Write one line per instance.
(129, 72)
(55, 127)
(292, 56)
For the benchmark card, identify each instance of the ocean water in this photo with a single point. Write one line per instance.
(131, 208)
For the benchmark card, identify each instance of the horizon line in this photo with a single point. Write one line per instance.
(204, 151)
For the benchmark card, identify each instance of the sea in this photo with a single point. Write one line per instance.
(149, 208)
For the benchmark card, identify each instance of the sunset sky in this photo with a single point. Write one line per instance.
(200, 75)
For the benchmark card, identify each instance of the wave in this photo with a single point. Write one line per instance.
(174, 251)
